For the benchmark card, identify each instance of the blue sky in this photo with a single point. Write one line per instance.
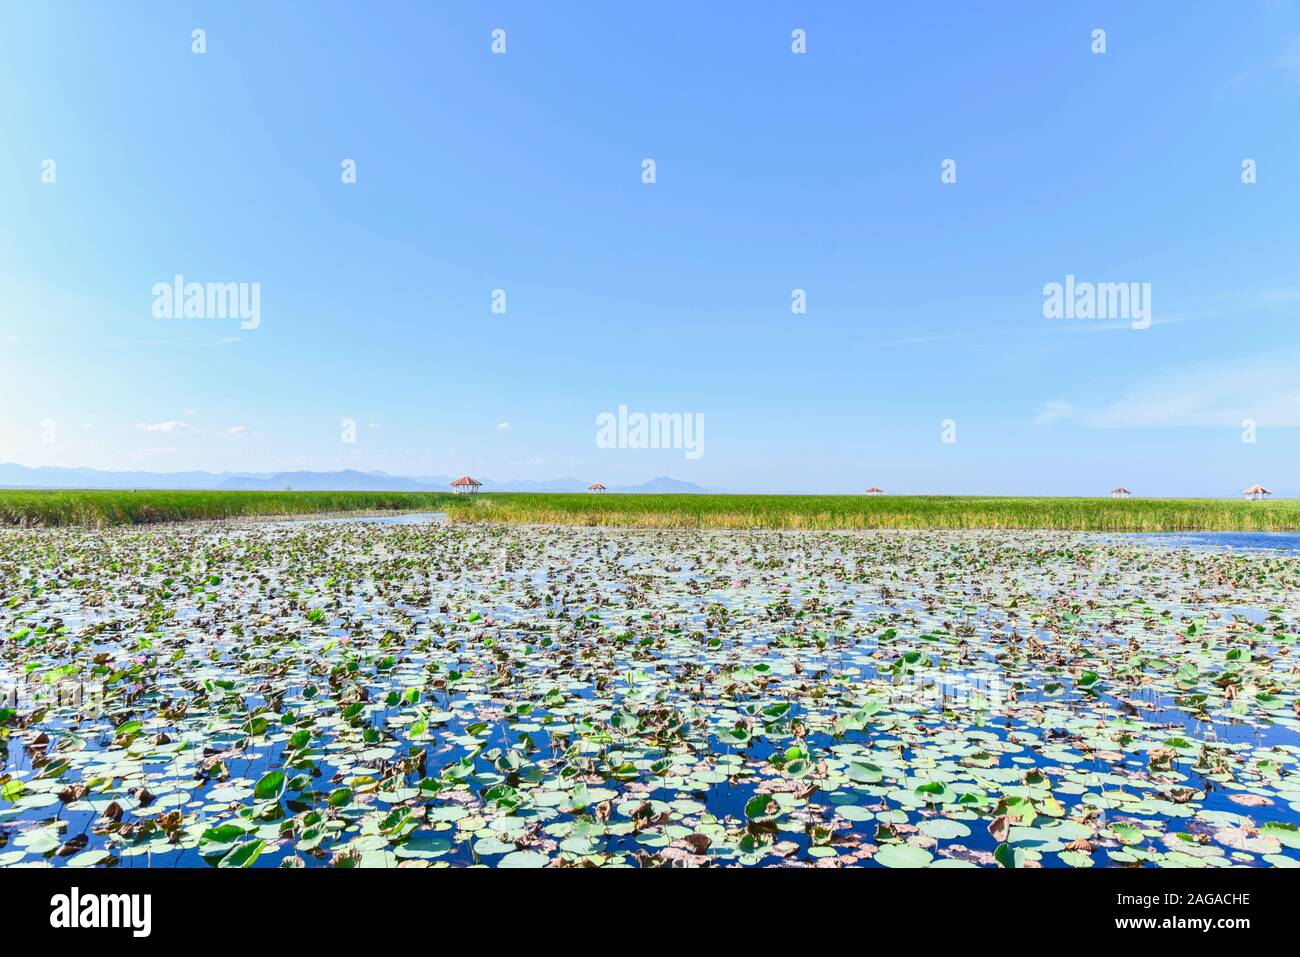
(774, 171)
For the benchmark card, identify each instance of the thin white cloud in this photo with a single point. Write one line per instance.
(1224, 394)
(1285, 65)
(171, 425)
(1288, 61)
(1053, 411)
(1223, 308)
(503, 426)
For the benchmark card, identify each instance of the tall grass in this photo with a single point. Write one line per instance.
(121, 507)
(108, 507)
(859, 512)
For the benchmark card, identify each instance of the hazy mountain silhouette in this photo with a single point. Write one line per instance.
(348, 480)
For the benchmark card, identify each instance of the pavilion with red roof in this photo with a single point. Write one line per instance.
(465, 484)
(596, 487)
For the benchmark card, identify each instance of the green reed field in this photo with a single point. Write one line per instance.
(109, 507)
(910, 511)
(124, 507)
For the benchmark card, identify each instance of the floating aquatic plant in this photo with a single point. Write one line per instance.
(369, 695)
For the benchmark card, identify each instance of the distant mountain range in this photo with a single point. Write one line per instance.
(348, 480)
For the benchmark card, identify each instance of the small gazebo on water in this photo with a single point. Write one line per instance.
(875, 491)
(1120, 491)
(465, 485)
(1257, 492)
(596, 487)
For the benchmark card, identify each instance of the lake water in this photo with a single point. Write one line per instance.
(1231, 541)
(404, 518)
(398, 689)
